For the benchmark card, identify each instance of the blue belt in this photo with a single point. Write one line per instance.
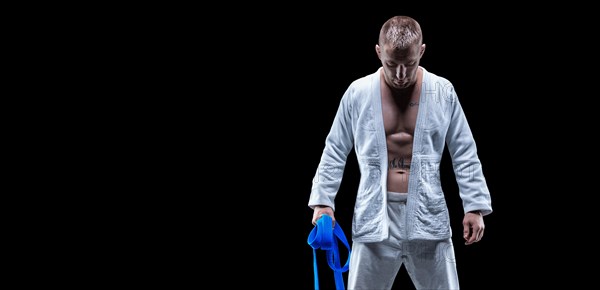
(323, 237)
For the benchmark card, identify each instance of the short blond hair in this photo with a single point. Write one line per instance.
(400, 32)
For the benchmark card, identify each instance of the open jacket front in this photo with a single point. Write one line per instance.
(441, 122)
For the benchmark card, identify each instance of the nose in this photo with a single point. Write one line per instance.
(400, 72)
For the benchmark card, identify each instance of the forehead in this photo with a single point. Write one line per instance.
(410, 52)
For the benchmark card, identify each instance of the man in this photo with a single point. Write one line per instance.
(398, 120)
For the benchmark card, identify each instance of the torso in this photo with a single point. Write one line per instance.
(399, 120)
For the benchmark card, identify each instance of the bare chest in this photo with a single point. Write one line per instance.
(400, 115)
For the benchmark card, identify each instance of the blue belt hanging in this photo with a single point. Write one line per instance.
(323, 236)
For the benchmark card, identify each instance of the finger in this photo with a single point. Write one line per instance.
(470, 234)
(316, 218)
(466, 231)
(475, 236)
(480, 234)
(472, 239)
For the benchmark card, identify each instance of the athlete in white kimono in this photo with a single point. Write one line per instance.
(398, 120)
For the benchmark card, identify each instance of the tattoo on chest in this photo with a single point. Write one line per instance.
(412, 104)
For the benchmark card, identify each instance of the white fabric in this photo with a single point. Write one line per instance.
(430, 264)
(358, 125)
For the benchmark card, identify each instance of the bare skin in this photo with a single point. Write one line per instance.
(399, 119)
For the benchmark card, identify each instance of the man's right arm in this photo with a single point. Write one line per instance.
(338, 144)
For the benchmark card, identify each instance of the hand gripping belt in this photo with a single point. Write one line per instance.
(323, 236)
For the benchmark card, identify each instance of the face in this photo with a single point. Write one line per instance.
(400, 65)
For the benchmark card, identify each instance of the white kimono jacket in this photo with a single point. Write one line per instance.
(358, 125)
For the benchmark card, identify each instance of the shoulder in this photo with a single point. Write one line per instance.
(438, 85)
(430, 79)
(366, 81)
(363, 86)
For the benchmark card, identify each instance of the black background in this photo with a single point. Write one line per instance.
(249, 99)
(342, 49)
(298, 73)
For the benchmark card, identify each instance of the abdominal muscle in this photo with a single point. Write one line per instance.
(399, 161)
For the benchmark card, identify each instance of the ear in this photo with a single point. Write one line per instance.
(422, 50)
(378, 50)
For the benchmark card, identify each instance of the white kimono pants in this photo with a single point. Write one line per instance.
(374, 266)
